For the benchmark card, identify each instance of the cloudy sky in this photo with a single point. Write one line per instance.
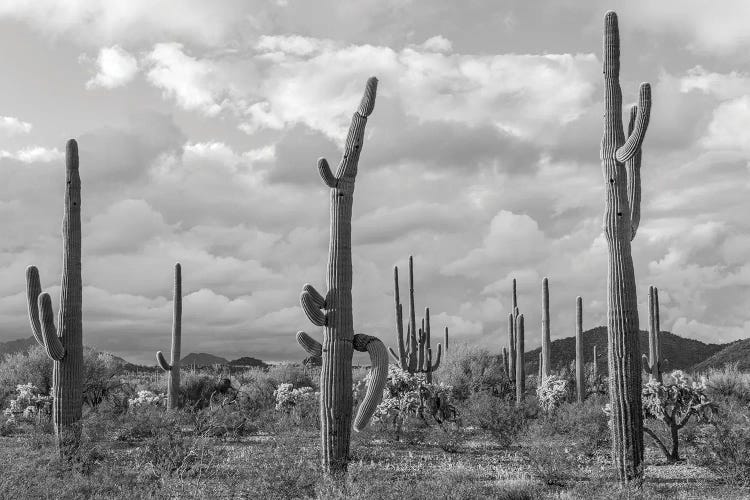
(199, 125)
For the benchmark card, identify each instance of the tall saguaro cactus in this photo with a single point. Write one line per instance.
(621, 165)
(520, 368)
(173, 384)
(512, 318)
(65, 347)
(653, 363)
(334, 310)
(580, 385)
(546, 342)
(414, 354)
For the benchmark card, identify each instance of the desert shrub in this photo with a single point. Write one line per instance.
(29, 405)
(729, 383)
(499, 416)
(583, 427)
(198, 389)
(724, 446)
(298, 376)
(223, 420)
(673, 403)
(552, 462)
(100, 376)
(30, 367)
(552, 392)
(470, 370)
(170, 453)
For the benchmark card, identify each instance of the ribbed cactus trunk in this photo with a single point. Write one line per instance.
(512, 334)
(506, 363)
(652, 363)
(173, 383)
(334, 311)
(65, 349)
(546, 341)
(520, 371)
(580, 385)
(596, 364)
(620, 223)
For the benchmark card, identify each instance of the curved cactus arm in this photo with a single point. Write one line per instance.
(33, 289)
(436, 364)
(163, 362)
(394, 355)
(325, 173)
(309, 344)
(646, 365)
(633, 171)
(318, 300)
(52, 344)
(378, 377)
(635, 139)
(313, 312)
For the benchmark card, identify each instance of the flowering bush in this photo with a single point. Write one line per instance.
(287, 397)
(673, 402)
(552, 392)
(29, 404)
(147, 398)
(407, 394)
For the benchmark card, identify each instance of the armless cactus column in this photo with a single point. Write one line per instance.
(620, 162)
(652, 363)
(334, 311)
(512, 317)
(65, 349)
(173, 384)
(520, 371)
(546, 342)
(580, 385)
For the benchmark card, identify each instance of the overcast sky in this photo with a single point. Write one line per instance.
(199, 125)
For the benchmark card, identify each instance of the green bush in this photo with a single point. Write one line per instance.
(499, 416)
(724, 446)
(471, 370)
(728, 383)
(32, 366)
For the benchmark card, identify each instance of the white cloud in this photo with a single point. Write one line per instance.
(116, 67)
(437, 44)
(730, 126)
(12, 125)
(33, 154)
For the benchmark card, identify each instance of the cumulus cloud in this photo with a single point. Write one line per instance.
(116, 67)
(11, 125)
(33, 154)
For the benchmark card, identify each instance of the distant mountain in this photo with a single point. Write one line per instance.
(736, 352)
(248, 361)
(202, 359)
(680, 353)
(14, 346)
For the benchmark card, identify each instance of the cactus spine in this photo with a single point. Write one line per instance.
(173, 384)
(334, 311)
(65, 349)
(580, 386)
(546, 343)
(621, 163)
(520, 372)
(653, 363)
(414, 354)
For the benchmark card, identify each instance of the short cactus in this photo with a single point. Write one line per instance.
(333, 311)
(173, 384)
(66, 348)
(653, 362)
(414, 354)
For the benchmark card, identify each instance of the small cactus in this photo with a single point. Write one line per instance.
(414, 354)
(173, 384)
(653, 362)
(65, 347)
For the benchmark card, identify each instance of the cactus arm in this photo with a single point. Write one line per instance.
(633, 144)
(309, 305)
(52, 344)
(317, 299)
(395, 356)
(309, 344)
(633, 171)
(402, 355)
(33, 289)
(436, 365)
(325, 173)
(348, 165)
(163, 362)
(378, 377)
(413, 365)
(445, 340)
(646, 365)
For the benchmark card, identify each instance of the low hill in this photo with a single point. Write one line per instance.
(681, 353)
(248, 361)
(202, 359)
(14, 346)
(736, 352)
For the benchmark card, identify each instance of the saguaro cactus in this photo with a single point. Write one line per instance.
(546, 342)
(334, 311)
(653, 363)
(580, 385)
(66, 348)
(520, 371)
(512, 318)
(173, 384)
(621, 163)
(414, 354)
